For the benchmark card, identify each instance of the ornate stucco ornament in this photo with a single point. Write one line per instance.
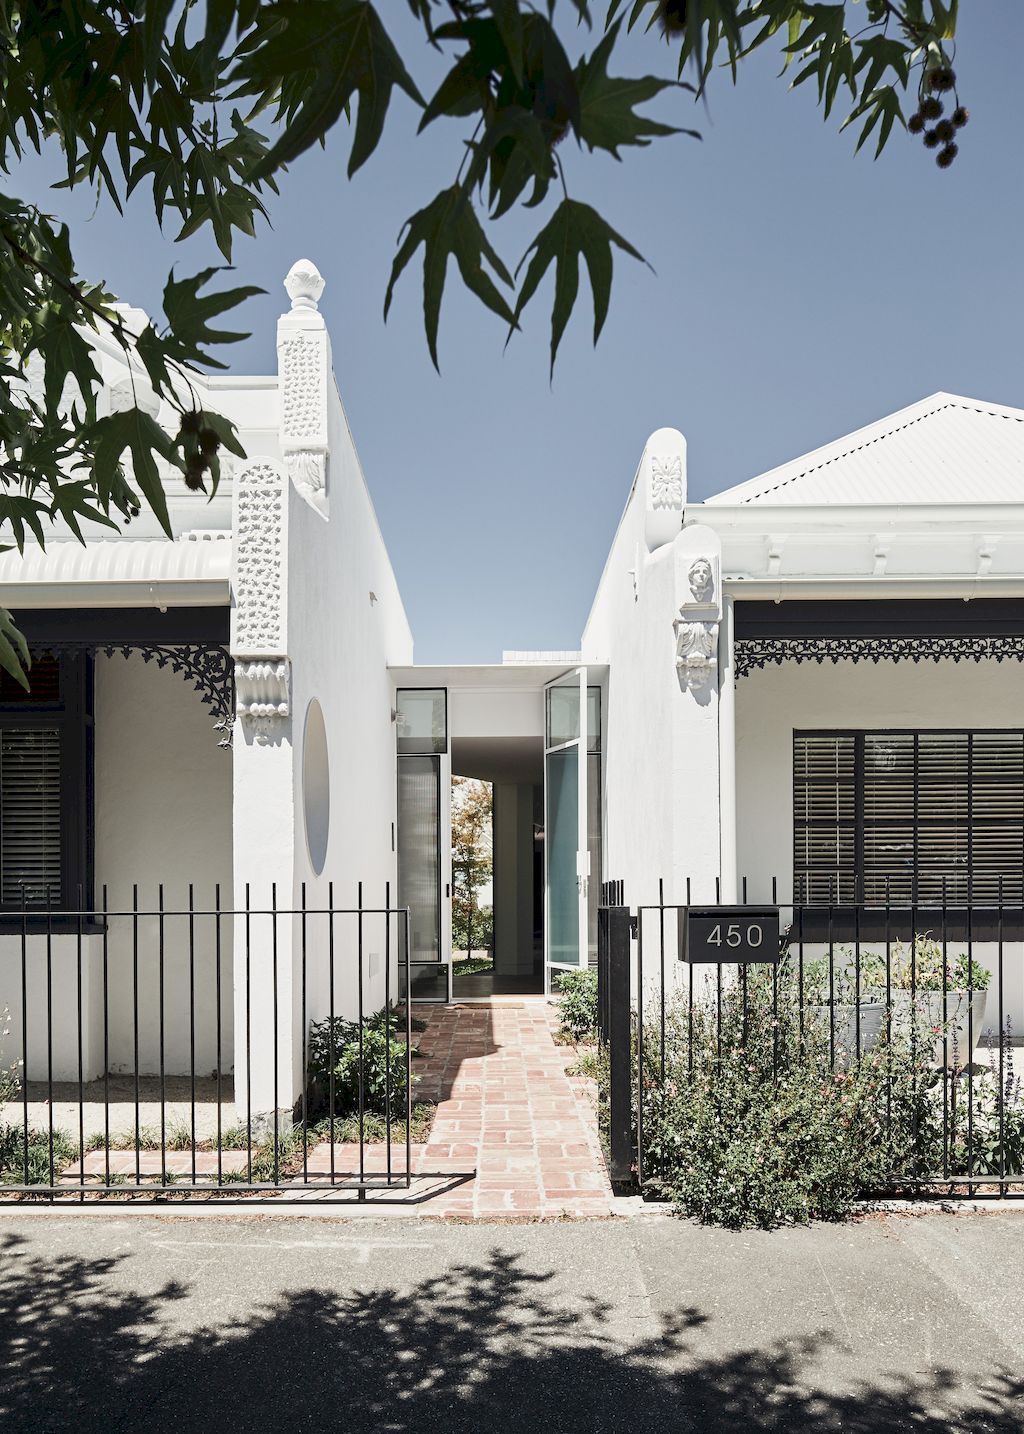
(696, 627)
(262, 696)
(259, 617)
(303, 367)
(666, 481)
(696, 653)
(304, 284)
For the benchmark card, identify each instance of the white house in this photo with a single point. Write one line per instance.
(807, 687)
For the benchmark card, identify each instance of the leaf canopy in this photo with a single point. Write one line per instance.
(196, 110)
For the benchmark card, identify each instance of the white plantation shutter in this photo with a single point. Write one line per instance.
(909, 817)
(30, 815)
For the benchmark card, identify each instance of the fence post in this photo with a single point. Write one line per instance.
(614, 1004)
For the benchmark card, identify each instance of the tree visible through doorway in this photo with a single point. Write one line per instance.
(472, 868)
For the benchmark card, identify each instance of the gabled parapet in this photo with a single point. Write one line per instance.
(661, 486)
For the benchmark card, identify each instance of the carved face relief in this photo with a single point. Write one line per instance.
(701, 580)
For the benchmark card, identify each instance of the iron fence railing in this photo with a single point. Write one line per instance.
(205, 1047)
(932, 998)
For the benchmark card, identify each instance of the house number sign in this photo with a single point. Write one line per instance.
(729, 934)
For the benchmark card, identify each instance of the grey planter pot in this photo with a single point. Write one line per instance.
(962, 1018)
(872, 1019)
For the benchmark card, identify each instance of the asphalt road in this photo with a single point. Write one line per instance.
(139, 1323)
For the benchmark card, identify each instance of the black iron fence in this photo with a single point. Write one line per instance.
(926, 1004)
(206, 1046)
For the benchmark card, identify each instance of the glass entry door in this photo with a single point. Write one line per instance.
(572, 741)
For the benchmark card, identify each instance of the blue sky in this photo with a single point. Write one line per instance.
(798, 293)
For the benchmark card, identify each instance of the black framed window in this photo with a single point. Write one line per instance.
(909, 818)
(46, 798)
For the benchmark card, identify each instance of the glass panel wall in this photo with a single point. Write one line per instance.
(422, 722)
(561, 840)
(562, 836)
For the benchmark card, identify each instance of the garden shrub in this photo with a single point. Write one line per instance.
(383, 1051)
(577, 1004)
(751, 1126)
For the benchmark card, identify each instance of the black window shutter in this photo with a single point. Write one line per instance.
(909, 818)
(30, 815)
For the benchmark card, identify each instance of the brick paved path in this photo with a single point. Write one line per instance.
(508, 1110)
(514, 1135)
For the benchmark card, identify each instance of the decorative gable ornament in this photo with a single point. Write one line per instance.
(699, 613)
(259, 611)
(666, 482)
(303, 365)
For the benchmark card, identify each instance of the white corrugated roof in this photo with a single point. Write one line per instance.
(944, 449)
(118, 564)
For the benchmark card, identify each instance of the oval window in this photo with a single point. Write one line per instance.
(316, 786)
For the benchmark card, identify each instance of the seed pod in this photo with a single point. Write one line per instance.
(961, 116)
(942, 79)
(945, 131)
(915, 124)
(931, 107)
(931, 139)
(945, 157)
(672, 14)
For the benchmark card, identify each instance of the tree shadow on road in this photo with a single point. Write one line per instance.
(489, 1346)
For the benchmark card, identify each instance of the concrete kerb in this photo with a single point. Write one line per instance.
(626, 1208)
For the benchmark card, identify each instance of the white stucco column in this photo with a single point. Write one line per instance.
(727, 749)
(263, 811)
(272, 639)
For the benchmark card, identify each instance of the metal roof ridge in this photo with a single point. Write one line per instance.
(856, 441)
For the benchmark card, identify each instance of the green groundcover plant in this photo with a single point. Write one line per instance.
(577, 1004)
(753, 1124)
(383, 1065)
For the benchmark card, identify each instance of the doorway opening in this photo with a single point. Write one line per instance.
(497, 889)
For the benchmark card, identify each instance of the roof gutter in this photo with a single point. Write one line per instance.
(856, 517)
(786, 589)
(195, 592)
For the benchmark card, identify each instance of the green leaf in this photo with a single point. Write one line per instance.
(14, 653)
(448, 227)
(343, 50)
(607, 106)
(509, 20)
(143, 437)
(188, 315)
(575, 231)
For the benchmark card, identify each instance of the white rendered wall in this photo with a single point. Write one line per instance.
(773, 702)
(163, 814)
(660, 742)
(346, 624)
(322, 616)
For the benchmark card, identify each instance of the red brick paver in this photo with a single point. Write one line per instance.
(514, 1136)
(508, 1112)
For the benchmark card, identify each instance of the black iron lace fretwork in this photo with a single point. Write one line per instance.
(755, 652)
(208, 665)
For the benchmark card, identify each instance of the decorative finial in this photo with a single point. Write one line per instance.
(304, 284)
